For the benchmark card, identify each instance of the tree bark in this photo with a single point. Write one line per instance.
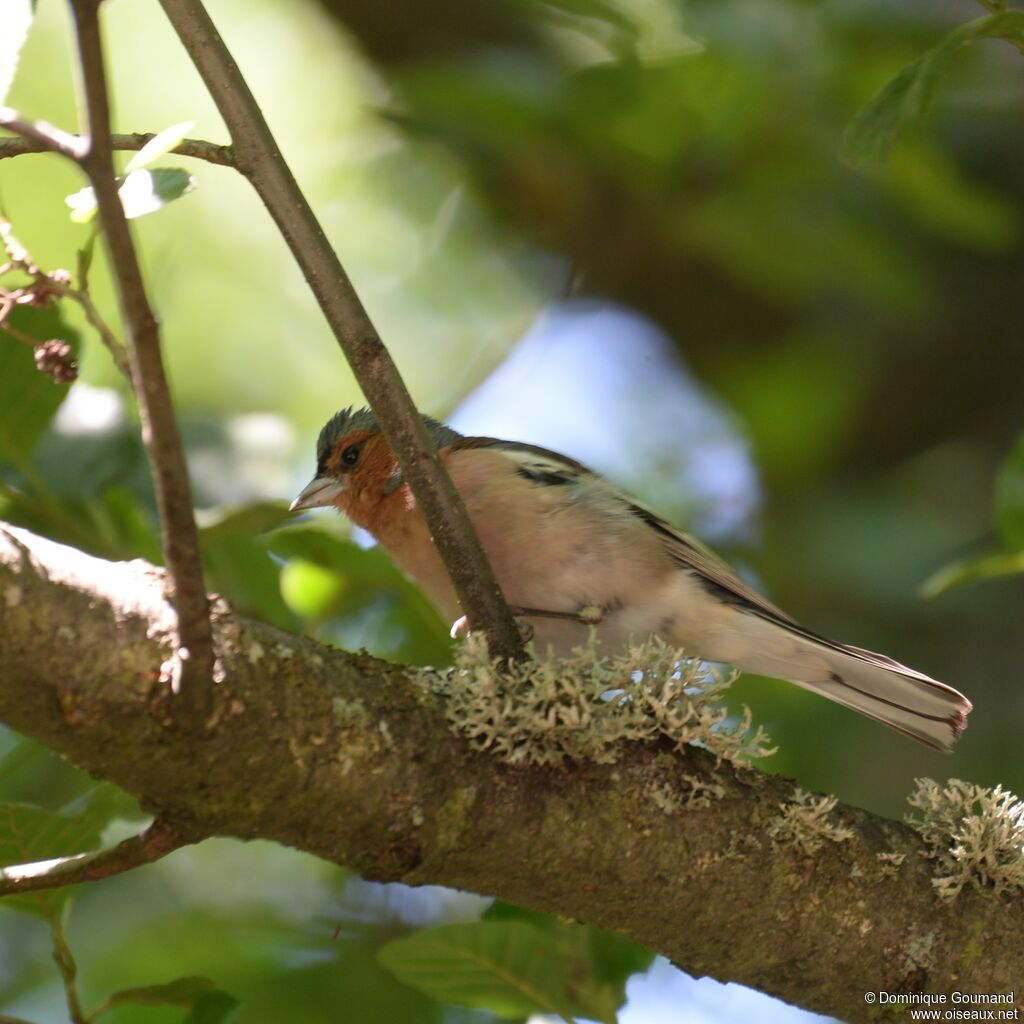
(352, 759)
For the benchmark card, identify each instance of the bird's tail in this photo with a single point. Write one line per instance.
(899, 697)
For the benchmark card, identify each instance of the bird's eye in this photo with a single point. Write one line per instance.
(350, 456)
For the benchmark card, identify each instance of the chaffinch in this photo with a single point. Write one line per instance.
(571, 553)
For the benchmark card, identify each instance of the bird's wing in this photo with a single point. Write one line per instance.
(712, 571)
(551, 468)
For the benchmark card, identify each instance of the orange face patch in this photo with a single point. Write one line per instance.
(335, 464)
(366, 463)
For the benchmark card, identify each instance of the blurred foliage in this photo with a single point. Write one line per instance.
(474, 162)
(909, 95)
(1009, 523)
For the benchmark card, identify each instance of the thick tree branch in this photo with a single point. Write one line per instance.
(352, 759)
(259, 159)
(160, 431)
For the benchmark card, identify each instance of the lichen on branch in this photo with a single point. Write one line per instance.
(545, 710)
(974, 834)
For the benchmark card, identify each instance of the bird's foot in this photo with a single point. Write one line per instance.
(460, 627)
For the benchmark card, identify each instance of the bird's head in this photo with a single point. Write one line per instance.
(354, 461)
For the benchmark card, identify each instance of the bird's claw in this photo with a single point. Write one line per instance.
(460, 627)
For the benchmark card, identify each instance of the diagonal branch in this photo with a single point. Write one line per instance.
(353, 760)
(194, 656)
(259, 159)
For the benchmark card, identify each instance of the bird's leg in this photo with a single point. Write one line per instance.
(588, 615)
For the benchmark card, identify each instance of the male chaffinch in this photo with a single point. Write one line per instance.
(570, 551)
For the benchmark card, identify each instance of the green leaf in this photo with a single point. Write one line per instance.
(141, 192)
(211, 1008)
(107, 803)
(329, 579)
(242, 570)
(161, 143)
(28, 397)
(508, 967)
(29, 835)
(246, 521)
(908, 96)
(1001, 563)
(207, 1004)
(148, 191)
(1009, 498)
(612, 960)
(15, 20)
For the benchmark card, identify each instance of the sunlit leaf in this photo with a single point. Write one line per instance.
(15, 20)
(148, 191)
(1009, 499)
(507, 967)
(141, 192)
(161, 143)
(82, 204)
(908, 96)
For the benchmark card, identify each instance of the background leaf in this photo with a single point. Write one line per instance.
(334, 583)
(974, 570)
(908, 97)
(603, 961)
(508, 967)
(30, 834)
(29, 398)
(205, 1002)
(1009, 498)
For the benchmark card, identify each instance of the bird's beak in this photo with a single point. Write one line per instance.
(320, 491)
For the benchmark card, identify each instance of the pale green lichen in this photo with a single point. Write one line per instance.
(920, 954)
(547, 711)
(974, 834)
(889, 862)
(804, 823)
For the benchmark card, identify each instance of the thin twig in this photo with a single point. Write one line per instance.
(259, 159)
(55, 283)
(198, 149)
(42, 136)
(150, 845)
(160, 431)
(66, 965)
(95, 318)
